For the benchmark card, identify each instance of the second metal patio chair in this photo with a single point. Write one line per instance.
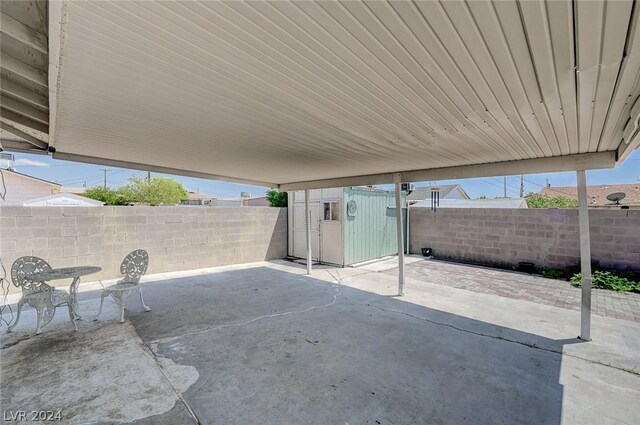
(133, 267)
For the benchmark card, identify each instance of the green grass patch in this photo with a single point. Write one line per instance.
(626, 281)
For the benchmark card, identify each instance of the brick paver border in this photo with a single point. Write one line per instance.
(521, 286)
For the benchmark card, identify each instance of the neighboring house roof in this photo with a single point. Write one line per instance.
(229, 202)
(476, 203)
(420, 193)
(261, 201)
(598, 194)
(57, 185)
(71, 189)
(63, 199)
(196, 196)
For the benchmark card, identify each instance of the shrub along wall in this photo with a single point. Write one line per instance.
(545, 237)
(177, 238)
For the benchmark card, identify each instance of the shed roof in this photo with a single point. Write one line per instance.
(63, 199)
(197, 196)
(327, 94)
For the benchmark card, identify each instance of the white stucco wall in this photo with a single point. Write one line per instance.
(21, 188)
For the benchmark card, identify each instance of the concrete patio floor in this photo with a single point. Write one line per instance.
(264, 343)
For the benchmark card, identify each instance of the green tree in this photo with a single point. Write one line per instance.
(155, 191)
(536, 200)
(276, 198)
(106, 195)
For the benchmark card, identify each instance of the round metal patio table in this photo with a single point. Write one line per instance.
(74, 273)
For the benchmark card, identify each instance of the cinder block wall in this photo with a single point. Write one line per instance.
(177, 238)
(545, 237)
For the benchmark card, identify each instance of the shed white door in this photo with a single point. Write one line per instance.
(331, 233)
(300, 232)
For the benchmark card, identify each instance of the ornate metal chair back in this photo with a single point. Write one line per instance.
(134, 266)
(24, 266)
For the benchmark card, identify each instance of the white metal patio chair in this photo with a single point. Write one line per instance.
(133, 267)
(42, 297)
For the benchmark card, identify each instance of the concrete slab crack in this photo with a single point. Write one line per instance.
(336, 287)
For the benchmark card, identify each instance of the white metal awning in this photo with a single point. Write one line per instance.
(306, 94)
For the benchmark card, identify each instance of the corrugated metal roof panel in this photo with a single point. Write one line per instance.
(283, 92)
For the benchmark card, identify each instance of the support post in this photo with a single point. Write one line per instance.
(400, 233)
(585, 257)
(307, 219)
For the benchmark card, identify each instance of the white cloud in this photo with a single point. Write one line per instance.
(24, 162)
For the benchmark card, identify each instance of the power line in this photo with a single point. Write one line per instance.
(80, 179)
(508, 184)
(500, 185)
(548, 187)
(91, 177)
(491, 183)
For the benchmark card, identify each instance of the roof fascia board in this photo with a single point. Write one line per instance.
(464, 192)
(585, 161)
(57, 26)
(28, 177)
(158, 169)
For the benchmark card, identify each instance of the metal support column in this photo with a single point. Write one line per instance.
(585, 257)
(307, 219)
(400, 236)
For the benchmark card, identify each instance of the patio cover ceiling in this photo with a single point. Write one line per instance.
(306, 94)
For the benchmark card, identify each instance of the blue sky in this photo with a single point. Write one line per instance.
(77, 174)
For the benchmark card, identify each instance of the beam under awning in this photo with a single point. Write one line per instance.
(34, 128)
(587, 161)
(14, 66)
(23, 33)
(17, 145)
(35, 143)
(158, 169)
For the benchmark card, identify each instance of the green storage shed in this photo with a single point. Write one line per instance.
(348, 225)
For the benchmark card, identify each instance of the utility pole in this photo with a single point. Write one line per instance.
(505, 186)
(105, 176)
(522, 185)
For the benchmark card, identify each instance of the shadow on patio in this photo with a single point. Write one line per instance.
(267, 346)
